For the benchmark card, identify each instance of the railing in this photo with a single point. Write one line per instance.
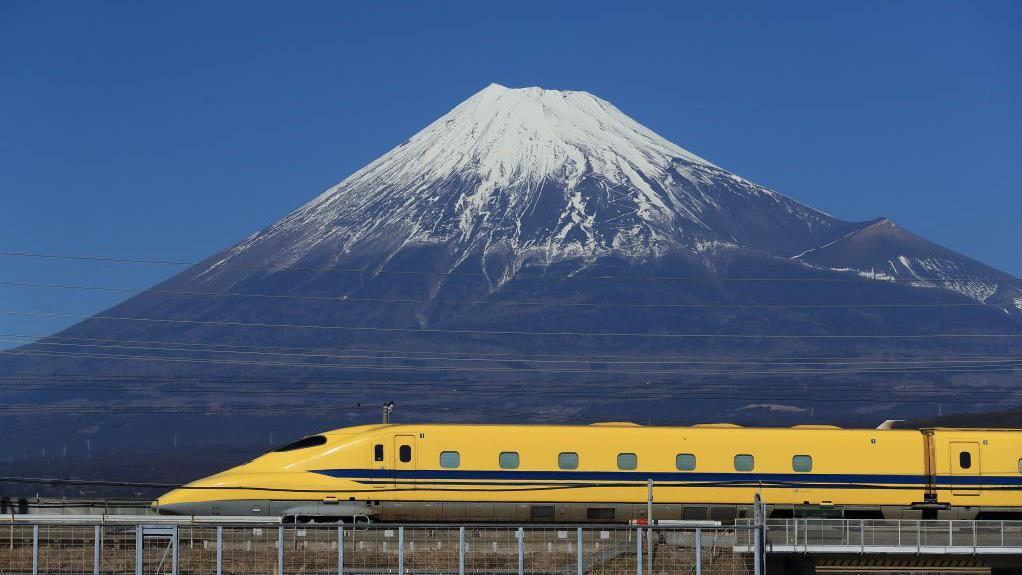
(142, 545)
(893, 536)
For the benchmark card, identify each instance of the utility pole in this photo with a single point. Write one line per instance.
(759, 535)
(388, 408)
(649, 520)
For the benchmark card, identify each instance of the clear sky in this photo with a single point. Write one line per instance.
(174, 129)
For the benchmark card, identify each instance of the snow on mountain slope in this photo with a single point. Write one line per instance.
(545, 175)
(885, 251)
(560, 216)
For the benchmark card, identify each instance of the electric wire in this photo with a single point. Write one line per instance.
(845, 368)
(524, 357)
(430, 331)
(276, 268)
(372, 367)
(358, 299)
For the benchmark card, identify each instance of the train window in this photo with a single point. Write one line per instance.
(1020, 465)
(378, 452)
(744, 462)
(600, 513)
(508, 460)
(802, 463)
(627, 461)
(450, 459)
(568, 460)
(965, 460)
(685, 462)
(303, 443)
(404, 453)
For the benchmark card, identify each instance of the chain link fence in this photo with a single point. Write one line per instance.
(84, 548)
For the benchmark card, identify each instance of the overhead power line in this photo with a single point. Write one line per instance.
(510, 389)
(241, 384)
(362, 392)
(975, 365)
(370, 404)
(374, 367)
(224, 264)
(326, 354)
(523, 357)
(511, 332)
(443, 301)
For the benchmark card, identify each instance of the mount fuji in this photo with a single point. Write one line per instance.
(520, 257)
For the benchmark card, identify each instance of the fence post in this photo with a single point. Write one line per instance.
(173, 550)
(461, 551)
(97, 542)
(138, 550)
(578, 552)
(649, 550)
(35, 549)
(638, 551)
(401, 550)
(219, 549)
(280, 550)
(699, 551)
(340, 550)
(862, 536)
(757, 566)
(521, 551)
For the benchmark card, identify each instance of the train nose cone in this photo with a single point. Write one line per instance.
(178, 509)
(176, 502)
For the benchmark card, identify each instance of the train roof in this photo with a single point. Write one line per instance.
(607, 424)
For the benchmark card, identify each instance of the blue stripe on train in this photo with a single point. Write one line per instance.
(664, 476)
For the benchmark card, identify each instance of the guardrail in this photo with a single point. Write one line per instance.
(86, 545)
(893, 536)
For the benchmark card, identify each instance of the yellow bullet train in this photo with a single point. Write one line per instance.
(604, 472)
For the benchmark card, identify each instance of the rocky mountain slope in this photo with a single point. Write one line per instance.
(535, 254)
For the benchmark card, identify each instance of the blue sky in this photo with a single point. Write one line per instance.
(172, 130)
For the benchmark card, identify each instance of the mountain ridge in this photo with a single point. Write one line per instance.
(555, 174)
(528, 223)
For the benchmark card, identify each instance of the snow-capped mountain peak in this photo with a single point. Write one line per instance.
(543, 173)
(508, 136)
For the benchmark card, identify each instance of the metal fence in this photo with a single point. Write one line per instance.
(894, 536)
(83, 546)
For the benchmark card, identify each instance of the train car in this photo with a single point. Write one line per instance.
(605, 472)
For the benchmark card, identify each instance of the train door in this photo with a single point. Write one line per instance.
(965, 463)
(404, 460)
(381, 463)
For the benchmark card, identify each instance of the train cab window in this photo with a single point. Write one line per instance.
(685, 462)
(965, 460)
(404, 453)
(567, 460)
(303, 443)
(627, 461)
(802, 463)
(744, 462)
(508, 460)
(378, 452)
(450, 459)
